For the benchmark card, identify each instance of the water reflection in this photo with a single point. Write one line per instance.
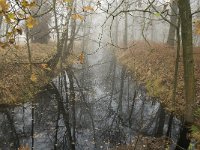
(98, 124)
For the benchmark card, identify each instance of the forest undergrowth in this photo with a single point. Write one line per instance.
(154, 67)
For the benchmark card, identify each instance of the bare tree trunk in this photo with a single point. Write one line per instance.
(32, 103)
(188, 62)
(152, 28)
(85, 72)
(63, 44)
(1, 20)
(168, 134)
(40, 32)
(197, 39)
(173, 20)
(116, 30)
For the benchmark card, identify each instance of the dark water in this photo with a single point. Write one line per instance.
(139, 117)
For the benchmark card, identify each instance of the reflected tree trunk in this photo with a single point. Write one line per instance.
(56, 130)
(64, 110)
(169, 128)
(15, 137)
(88, 108)
(6, 109)
(161, 122)
(130, 120)
(123, 71)
(72, 103)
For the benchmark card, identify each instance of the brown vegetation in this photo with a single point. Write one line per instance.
(154, 67)
(15, 83)
(18, 84)
(146, 143)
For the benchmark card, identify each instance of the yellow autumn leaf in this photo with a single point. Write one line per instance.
(81, 58)
(27, 4)
(24, 3)
(32, 4)
(77, 16)
(24, 147)
(9, 34)
(88, 8)
(18, 30)
(3, 44)
(12, 41)
(3, 5)
(68, 1)
(44, 66)
(20, 14)
(8, 20)
(30, 22)
(17, 46)
(11, 15)
(33, 77)
(197, 26)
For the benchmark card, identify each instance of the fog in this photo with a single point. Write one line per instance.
(95, 102)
